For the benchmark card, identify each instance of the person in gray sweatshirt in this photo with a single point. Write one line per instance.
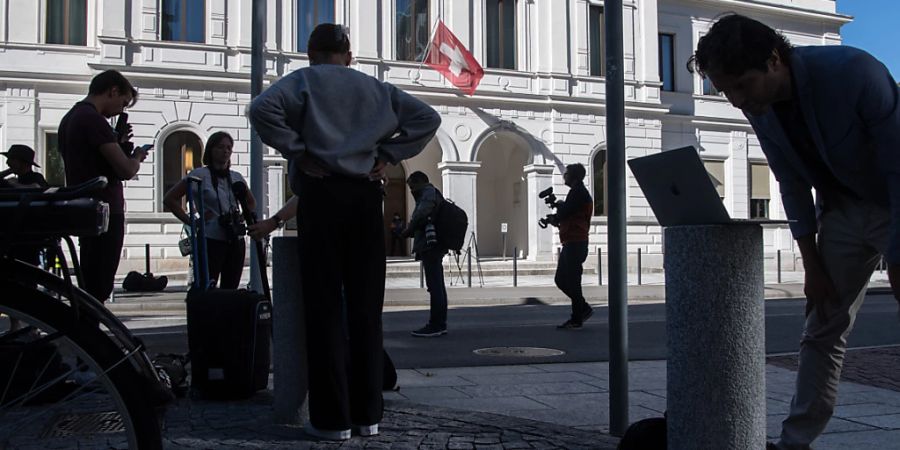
(339, 129)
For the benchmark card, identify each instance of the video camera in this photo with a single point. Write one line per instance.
(550, 200)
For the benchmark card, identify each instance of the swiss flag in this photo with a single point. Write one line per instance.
(449, 57)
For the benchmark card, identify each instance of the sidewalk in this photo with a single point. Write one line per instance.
(543, 406)
(534, 405)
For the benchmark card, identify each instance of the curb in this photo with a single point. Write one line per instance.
(415, 297)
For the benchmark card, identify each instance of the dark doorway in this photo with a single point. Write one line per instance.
(395, 202)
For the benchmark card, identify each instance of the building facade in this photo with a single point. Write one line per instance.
(540, 105)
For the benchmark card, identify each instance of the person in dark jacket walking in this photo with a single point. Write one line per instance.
(574, 218)
(429, 251)
(339, 129)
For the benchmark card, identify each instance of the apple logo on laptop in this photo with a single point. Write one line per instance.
(675, 190)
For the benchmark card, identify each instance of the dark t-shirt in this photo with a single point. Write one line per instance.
(81, 133)
(28, 179)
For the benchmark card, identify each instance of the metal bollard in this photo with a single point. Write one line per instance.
(515, 267)
(421, 275)
(469, 264)
(147, 258)
(639, 266)
(599, 266)
(778, 265)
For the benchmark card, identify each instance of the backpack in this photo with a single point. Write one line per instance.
(647, 434)
(450, 224)
(137, 282)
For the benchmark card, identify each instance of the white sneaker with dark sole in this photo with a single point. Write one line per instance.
(366, 430)
(429, 331)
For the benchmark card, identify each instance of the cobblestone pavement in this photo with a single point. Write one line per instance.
(876, 367)
(407, 426)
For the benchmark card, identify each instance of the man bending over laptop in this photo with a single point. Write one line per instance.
(827, 118)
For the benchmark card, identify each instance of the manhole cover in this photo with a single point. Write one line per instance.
(84, 424)
(521, 352)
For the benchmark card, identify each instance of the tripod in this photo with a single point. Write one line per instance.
(471, 244)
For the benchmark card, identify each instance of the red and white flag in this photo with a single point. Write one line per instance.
(449, 57)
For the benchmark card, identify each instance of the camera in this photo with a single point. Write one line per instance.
(233, 224)
(550, 200)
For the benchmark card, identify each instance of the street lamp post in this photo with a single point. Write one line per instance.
(257, 69)
(618, 269)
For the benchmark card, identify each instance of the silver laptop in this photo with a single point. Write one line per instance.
(680, 191)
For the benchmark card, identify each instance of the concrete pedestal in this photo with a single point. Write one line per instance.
(289, 334)
(716, 386)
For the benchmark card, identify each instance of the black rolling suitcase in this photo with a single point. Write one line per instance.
(229, 330)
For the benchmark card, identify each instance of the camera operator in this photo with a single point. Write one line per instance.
(224, 226)
(573, 217)
(90, 148)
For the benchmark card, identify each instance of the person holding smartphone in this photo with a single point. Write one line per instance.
(90, 148)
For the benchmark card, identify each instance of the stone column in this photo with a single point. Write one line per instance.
(540, 240)
(715, 326)
(290, 377)
(460, 185)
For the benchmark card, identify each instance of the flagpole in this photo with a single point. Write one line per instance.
(428, 47)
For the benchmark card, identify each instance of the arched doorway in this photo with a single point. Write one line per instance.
(182, 152)
(395, 202)
(502, 194)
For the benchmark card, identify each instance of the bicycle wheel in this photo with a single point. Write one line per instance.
(64, 384)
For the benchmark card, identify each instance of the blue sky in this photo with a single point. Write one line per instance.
(875, 28)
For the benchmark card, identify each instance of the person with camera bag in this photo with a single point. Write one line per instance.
(428, 250)
(573, 217)
(224, 226)
(91, 148)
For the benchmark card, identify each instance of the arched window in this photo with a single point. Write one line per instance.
(182, 152)
(599, 178)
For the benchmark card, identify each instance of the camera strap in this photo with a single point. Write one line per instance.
(214, 179)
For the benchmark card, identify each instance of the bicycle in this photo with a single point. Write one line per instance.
(71, 374)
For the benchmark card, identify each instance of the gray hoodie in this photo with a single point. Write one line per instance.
(343, 117)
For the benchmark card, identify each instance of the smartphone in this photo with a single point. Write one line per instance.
(122, 124)
(146, 147)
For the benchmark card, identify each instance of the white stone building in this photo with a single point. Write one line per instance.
(539, 106)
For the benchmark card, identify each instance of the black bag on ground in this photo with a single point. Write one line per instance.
(172, 370)
(450, 224)
(138, 282)
(229, 335)
(647, 434)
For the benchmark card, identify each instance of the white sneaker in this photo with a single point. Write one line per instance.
(331, 435)
(366, 430)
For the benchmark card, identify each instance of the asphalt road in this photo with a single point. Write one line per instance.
(534, 325)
